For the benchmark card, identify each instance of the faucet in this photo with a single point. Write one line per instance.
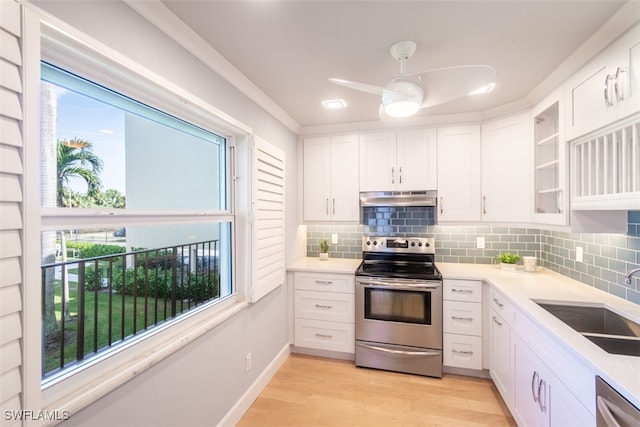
(627, 279)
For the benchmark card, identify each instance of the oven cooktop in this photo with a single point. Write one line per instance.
(399, 257)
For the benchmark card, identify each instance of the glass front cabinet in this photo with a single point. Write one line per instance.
(550, 157)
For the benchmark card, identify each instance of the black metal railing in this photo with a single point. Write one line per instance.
(103, 301)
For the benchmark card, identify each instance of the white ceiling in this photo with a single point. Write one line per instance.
(289, 49)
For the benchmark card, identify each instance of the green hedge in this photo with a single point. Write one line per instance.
(157, 283)
(92, 250)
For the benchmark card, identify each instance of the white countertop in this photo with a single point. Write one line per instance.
(332, 265)
(520, 287)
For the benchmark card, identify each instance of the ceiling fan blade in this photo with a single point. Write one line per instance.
(442, 85)
(363, 87)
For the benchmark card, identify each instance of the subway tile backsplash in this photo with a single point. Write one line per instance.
(606, 257)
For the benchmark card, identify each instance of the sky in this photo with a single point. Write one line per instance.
(100, 124)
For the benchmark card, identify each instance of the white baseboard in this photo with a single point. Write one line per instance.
(244, 403)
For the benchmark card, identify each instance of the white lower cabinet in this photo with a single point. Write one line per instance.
(324, 311)
(541, 384)
(323, 335)
(531, 387)
(462, 324)
(540, 398)
(500, 355)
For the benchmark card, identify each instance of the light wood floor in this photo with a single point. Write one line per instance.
(310, 391)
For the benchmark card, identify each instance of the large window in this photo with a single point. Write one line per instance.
(137, 230)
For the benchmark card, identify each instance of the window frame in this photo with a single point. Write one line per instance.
(72, 50)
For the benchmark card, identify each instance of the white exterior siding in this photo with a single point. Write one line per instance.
(11, 206)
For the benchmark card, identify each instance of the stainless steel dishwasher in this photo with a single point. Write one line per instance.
(613, 410)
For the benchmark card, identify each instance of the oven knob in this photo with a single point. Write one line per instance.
(368, 242)
(413, 244)
(427, 244)
(420, 244)
(375, 242)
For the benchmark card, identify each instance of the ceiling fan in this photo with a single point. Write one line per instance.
(406, 93)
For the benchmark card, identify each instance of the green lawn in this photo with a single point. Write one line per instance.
(52, 352)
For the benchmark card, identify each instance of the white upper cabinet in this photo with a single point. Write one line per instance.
(506, 166)
(459, 191)
(331, 178)
(550, 163)
(377, 161)
(607, 88)
(416, 155)
(403, 161)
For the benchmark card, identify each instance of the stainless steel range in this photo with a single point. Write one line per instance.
(399, 306)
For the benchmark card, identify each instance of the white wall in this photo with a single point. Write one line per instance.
(200, 383)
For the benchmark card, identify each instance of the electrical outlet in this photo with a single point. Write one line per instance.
(247, 362)
(334, 239)
(480, 242)
(579, 252)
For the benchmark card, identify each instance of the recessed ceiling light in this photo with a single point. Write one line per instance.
(334, 104)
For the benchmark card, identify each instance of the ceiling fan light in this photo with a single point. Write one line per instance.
(402, 99)
(401, 109)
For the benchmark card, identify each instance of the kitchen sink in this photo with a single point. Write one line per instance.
(608, 330)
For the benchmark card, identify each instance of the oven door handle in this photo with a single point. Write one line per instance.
(401, 352)
(400, 286)
(604, 410)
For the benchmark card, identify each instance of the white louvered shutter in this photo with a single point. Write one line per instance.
(268, 219)
(11, 206)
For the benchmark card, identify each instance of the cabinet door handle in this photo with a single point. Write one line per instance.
(441, 204)
(559, 201)
(607, 93)
(462, 291)
(326, 307)
(484, 205)
(542, 387)
(496, 321)
(393, 175)
(326, 206)
(400, 174)
(334, 206)
(498, 303)
(466, 319)
(619, 84)
(467, 353)
(533, 387)
(324, 282)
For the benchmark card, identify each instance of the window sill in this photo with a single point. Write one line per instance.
(82, 388)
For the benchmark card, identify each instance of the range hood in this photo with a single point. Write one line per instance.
(398, 198)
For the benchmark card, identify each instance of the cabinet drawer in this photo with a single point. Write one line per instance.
(324, 335)
(462, 318)
(501, 306)
(462, 290)
(330, 306)
(462, 351)
(325, 282)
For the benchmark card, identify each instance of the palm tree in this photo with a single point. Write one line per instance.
(48, 116)
(75, 159)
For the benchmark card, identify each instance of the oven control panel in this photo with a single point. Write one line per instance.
(398, 244)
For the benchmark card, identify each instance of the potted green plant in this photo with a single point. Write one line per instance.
(508, 261)
(324, 250)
